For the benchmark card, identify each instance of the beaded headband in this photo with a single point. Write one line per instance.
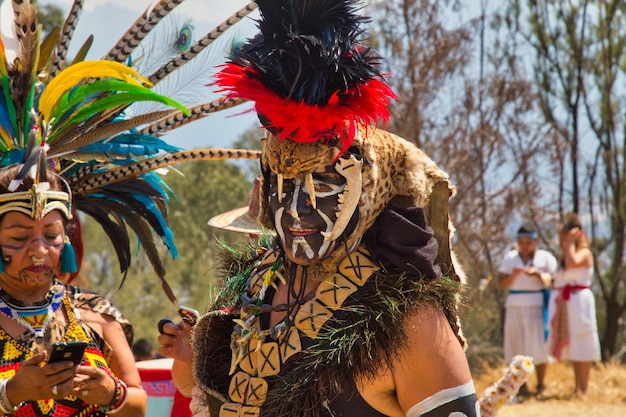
(37, 202)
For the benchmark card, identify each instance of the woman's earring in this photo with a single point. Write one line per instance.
(68, 257)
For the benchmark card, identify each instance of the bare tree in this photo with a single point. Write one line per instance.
(579, 51)
(475, 115)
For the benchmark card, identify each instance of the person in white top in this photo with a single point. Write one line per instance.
(527, 273)
(574, 332)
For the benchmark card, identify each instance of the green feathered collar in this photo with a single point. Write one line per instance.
(366, 332)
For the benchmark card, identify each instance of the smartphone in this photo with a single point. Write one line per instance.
(189, 315)
(68, 351)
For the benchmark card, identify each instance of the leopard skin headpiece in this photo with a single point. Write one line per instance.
(318, 92)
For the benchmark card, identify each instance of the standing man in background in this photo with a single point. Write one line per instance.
(527, 273)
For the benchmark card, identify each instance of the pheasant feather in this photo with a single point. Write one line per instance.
(140, 29)
(122, 173)
(28, 33)
(205, 41)
(58, 60)
(106, 131)
(179, 119)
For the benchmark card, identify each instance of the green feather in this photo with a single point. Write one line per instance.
(6, 88)
(113, 101)
(76, 96)
(28, 105)
(82, 52)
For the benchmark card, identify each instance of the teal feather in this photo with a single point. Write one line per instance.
(129, 145)
(69, 264)
(10, 105)
(166, 235)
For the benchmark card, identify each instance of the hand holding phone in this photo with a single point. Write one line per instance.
(68, 351)
(189, 315)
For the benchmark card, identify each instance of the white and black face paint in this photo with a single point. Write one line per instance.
(302, 227)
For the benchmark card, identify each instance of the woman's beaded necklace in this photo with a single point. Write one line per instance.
(35, 316)
(259, 352)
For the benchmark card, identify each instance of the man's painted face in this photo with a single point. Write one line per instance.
(299, 224)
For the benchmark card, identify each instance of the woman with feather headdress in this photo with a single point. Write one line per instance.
(352, 310)
(69, 142)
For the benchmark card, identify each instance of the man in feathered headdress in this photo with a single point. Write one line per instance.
(348, 313)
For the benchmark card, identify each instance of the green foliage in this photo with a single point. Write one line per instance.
(251, 139)
(203, 190)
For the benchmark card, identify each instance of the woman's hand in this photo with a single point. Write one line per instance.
(33, 382)
(93, 385)
(569, 237)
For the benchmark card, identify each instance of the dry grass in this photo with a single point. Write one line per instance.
(606, 396)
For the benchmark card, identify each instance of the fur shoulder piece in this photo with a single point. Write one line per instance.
(353, 344)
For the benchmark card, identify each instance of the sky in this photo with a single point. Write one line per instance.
(108, 20)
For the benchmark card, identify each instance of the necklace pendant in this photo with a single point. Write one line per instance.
(35, 318)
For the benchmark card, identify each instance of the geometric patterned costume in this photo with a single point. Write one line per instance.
(97, 353)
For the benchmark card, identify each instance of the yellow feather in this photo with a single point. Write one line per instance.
(7, 141)
(3, 67)
(72, 75)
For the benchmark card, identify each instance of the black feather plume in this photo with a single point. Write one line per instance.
(307, 50)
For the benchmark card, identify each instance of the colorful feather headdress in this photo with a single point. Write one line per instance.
(79, 121)
(309, 76)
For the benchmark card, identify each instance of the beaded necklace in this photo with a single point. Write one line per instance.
(36, 316)
(257, 352)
